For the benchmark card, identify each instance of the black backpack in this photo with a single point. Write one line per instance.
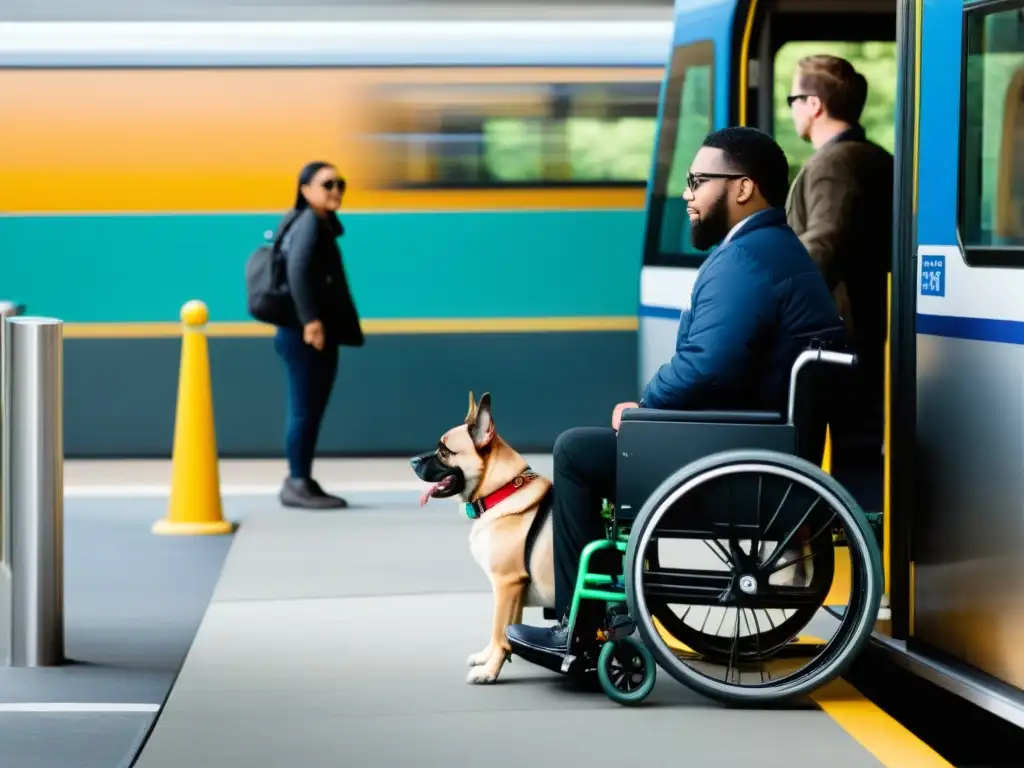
(266, 280)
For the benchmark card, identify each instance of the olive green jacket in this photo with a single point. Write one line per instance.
(840, 206)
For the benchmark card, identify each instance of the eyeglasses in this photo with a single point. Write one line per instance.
(694, 180)
(331, 184)
(792, 99)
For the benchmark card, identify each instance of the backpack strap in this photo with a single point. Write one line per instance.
(277, 238)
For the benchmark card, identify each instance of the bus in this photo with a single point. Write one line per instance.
(946, 84)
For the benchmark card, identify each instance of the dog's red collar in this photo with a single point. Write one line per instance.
(475, 509)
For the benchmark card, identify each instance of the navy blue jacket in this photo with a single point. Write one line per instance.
(758, 301)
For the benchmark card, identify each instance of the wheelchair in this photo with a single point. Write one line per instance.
(744, 492)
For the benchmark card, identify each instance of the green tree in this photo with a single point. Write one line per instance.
(875, 60)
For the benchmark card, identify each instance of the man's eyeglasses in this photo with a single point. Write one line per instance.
(793, 98)
(694, 180)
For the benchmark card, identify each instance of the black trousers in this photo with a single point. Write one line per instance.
(584, 474)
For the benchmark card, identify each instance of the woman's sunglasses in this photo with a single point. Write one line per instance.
(331, 184)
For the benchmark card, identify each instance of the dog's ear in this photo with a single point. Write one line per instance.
(471, 413)
(482, 428)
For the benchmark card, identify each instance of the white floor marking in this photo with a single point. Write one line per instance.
(61, 707)
(157, 490)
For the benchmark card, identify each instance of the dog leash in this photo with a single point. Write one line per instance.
(475, 509)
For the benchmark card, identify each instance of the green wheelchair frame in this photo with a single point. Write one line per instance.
(621, 657)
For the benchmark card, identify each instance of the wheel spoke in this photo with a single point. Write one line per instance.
(824, 527)
(782, 545)
(757, 641)
(755, 543)
(778, 509)
(734, 652)
(720, 552)
(720, 623)
(790, 563)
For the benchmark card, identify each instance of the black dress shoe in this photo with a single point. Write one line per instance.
(306, 494)
(544, 646)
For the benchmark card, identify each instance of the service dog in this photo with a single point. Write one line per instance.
(511, 535)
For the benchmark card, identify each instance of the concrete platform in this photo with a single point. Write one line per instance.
(341, 638)
(133, 602)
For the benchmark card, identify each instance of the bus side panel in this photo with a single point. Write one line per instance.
(968, 531)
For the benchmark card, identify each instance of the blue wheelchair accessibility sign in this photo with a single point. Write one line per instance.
(933, 276)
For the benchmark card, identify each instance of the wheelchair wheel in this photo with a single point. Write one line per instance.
(759, 497)
(626, 670)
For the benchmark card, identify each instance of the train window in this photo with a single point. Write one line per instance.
(992, 139)
(874, 59)
(498, 135)
(687, 118)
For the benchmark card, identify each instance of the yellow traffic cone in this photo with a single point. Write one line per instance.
(195, 505)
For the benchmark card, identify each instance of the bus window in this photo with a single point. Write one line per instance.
(687, 119)
(497, 135)
(876, 60)
(993, 142)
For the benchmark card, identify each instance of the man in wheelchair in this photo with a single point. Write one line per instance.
(757, 302)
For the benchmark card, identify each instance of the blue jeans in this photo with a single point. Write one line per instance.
(311, 377)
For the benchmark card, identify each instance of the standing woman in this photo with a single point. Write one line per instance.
(326, 319)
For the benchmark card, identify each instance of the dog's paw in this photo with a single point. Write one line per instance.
(481, 675)
(479, 659)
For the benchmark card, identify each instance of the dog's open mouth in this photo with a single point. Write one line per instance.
(438, 489)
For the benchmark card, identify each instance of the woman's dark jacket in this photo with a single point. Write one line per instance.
(316, 277)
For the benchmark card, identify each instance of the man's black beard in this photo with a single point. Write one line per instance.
(710, 230)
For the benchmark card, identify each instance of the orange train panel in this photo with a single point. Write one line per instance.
(194, 140)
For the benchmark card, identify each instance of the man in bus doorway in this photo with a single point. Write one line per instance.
(840, 206)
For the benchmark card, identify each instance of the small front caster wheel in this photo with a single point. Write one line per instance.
(626, 671)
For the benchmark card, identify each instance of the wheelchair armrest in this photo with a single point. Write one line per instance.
(702, 417)
(653, 444)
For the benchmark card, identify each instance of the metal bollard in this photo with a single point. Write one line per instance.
(8, 309)
(33, 488)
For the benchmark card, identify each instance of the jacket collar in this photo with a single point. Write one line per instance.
(766, 217)
(854, 133)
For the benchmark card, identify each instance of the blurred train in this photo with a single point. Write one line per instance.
(494, 214)
(953, 531)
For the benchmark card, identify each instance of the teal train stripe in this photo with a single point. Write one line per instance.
(142, 268)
